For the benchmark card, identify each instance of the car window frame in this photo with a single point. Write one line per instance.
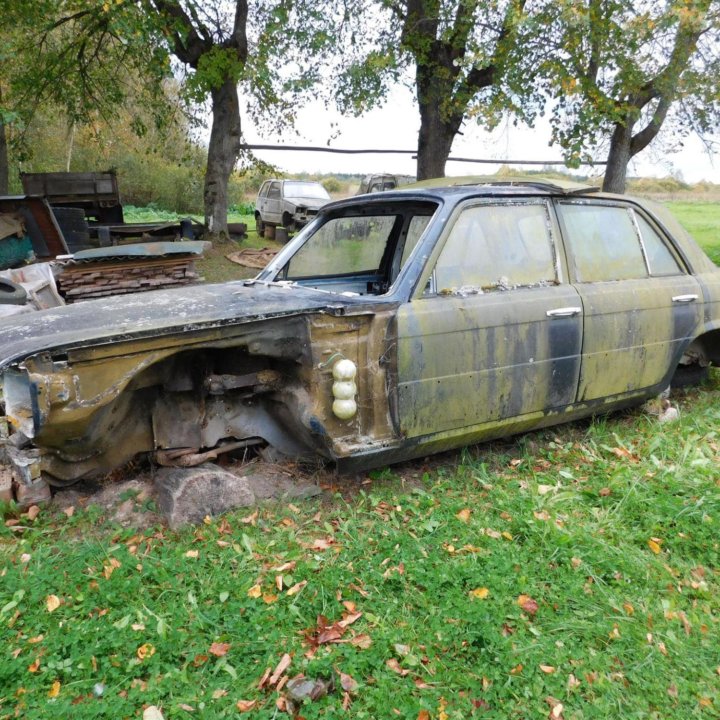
(426, 286)
(632, 210)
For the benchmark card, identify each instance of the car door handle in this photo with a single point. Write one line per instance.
(684, 298)
(564, 312)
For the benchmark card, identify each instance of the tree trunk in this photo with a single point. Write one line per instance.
(437, 132)
(4, 166)
(618, 158)
(223, 153)
(435, 141)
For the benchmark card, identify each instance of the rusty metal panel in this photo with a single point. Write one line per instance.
(634, 331)
(465, 361)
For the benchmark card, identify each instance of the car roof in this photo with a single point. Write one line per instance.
(494, 183)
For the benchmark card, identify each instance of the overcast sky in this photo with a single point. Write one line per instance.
(395, 127)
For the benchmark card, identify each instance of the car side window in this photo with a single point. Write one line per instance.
(603, 242)
(274, 191)
(497, 247)
(660, 259)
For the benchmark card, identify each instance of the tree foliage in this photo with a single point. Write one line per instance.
(457, 51)
(86, 53)
(620, 71)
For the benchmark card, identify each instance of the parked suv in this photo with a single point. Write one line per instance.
(289, 203)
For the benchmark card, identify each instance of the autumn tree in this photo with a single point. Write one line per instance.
(89, 50)
(457, 51)
(620, 72)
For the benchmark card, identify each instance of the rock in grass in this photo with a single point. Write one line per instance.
(186, 495)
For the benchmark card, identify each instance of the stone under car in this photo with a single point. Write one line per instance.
(392, 326)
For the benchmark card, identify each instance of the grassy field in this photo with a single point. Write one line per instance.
(572, 573)
(702, 221)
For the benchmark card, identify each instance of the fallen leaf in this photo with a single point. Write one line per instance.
(69, 510)
(186, 707)
(572, 682)
(395, 666)
(145, 650)
(250, 519)
(286, 567)
(576, 562)
(493, 534)
(54, 689)
(542, 515)
(295, 589)
(152, 712)
(282, 666)
(219, 649)
(545, 489)
(629, 609)
(32, 512)
(348, 683)
(625, 454)
(34, 666)
(110, 567)
(464, 515)
(672, 691)
(507, 535)
(192, 554)
(52, 603)
(268, 598)
(200, 659)
(36, 639)
(423, 715)
(480, 593)
(517, 669)
(322, 543)
(604, 492)
(349, 605)
(529, 605)
(364, 641)
(654, 546)
(220, 692)
(255, 591)
(547, 669)
(245, 705)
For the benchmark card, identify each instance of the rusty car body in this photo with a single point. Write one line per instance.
(453, 315)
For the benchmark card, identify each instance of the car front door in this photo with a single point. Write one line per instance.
(273, 210)
(496, 334)
(639, 304)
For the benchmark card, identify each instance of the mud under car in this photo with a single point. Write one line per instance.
(392, 326)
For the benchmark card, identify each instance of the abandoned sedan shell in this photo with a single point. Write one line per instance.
(392, 326)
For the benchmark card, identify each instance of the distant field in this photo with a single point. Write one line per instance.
(702, 221)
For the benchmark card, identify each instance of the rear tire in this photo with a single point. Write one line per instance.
(11, 293)
(259, 226)
(689, 375)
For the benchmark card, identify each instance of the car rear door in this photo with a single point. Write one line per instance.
(640, 305)
(497, 333)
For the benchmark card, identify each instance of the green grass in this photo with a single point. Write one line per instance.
(702, 221)
(611, 529)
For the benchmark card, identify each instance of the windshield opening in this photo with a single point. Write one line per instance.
(361, 250)
(306, 190)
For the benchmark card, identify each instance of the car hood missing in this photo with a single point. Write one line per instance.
(165, 312)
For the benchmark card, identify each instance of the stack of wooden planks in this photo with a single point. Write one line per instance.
(82, 281)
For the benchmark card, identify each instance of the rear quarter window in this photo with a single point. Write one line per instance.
(603, 242)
